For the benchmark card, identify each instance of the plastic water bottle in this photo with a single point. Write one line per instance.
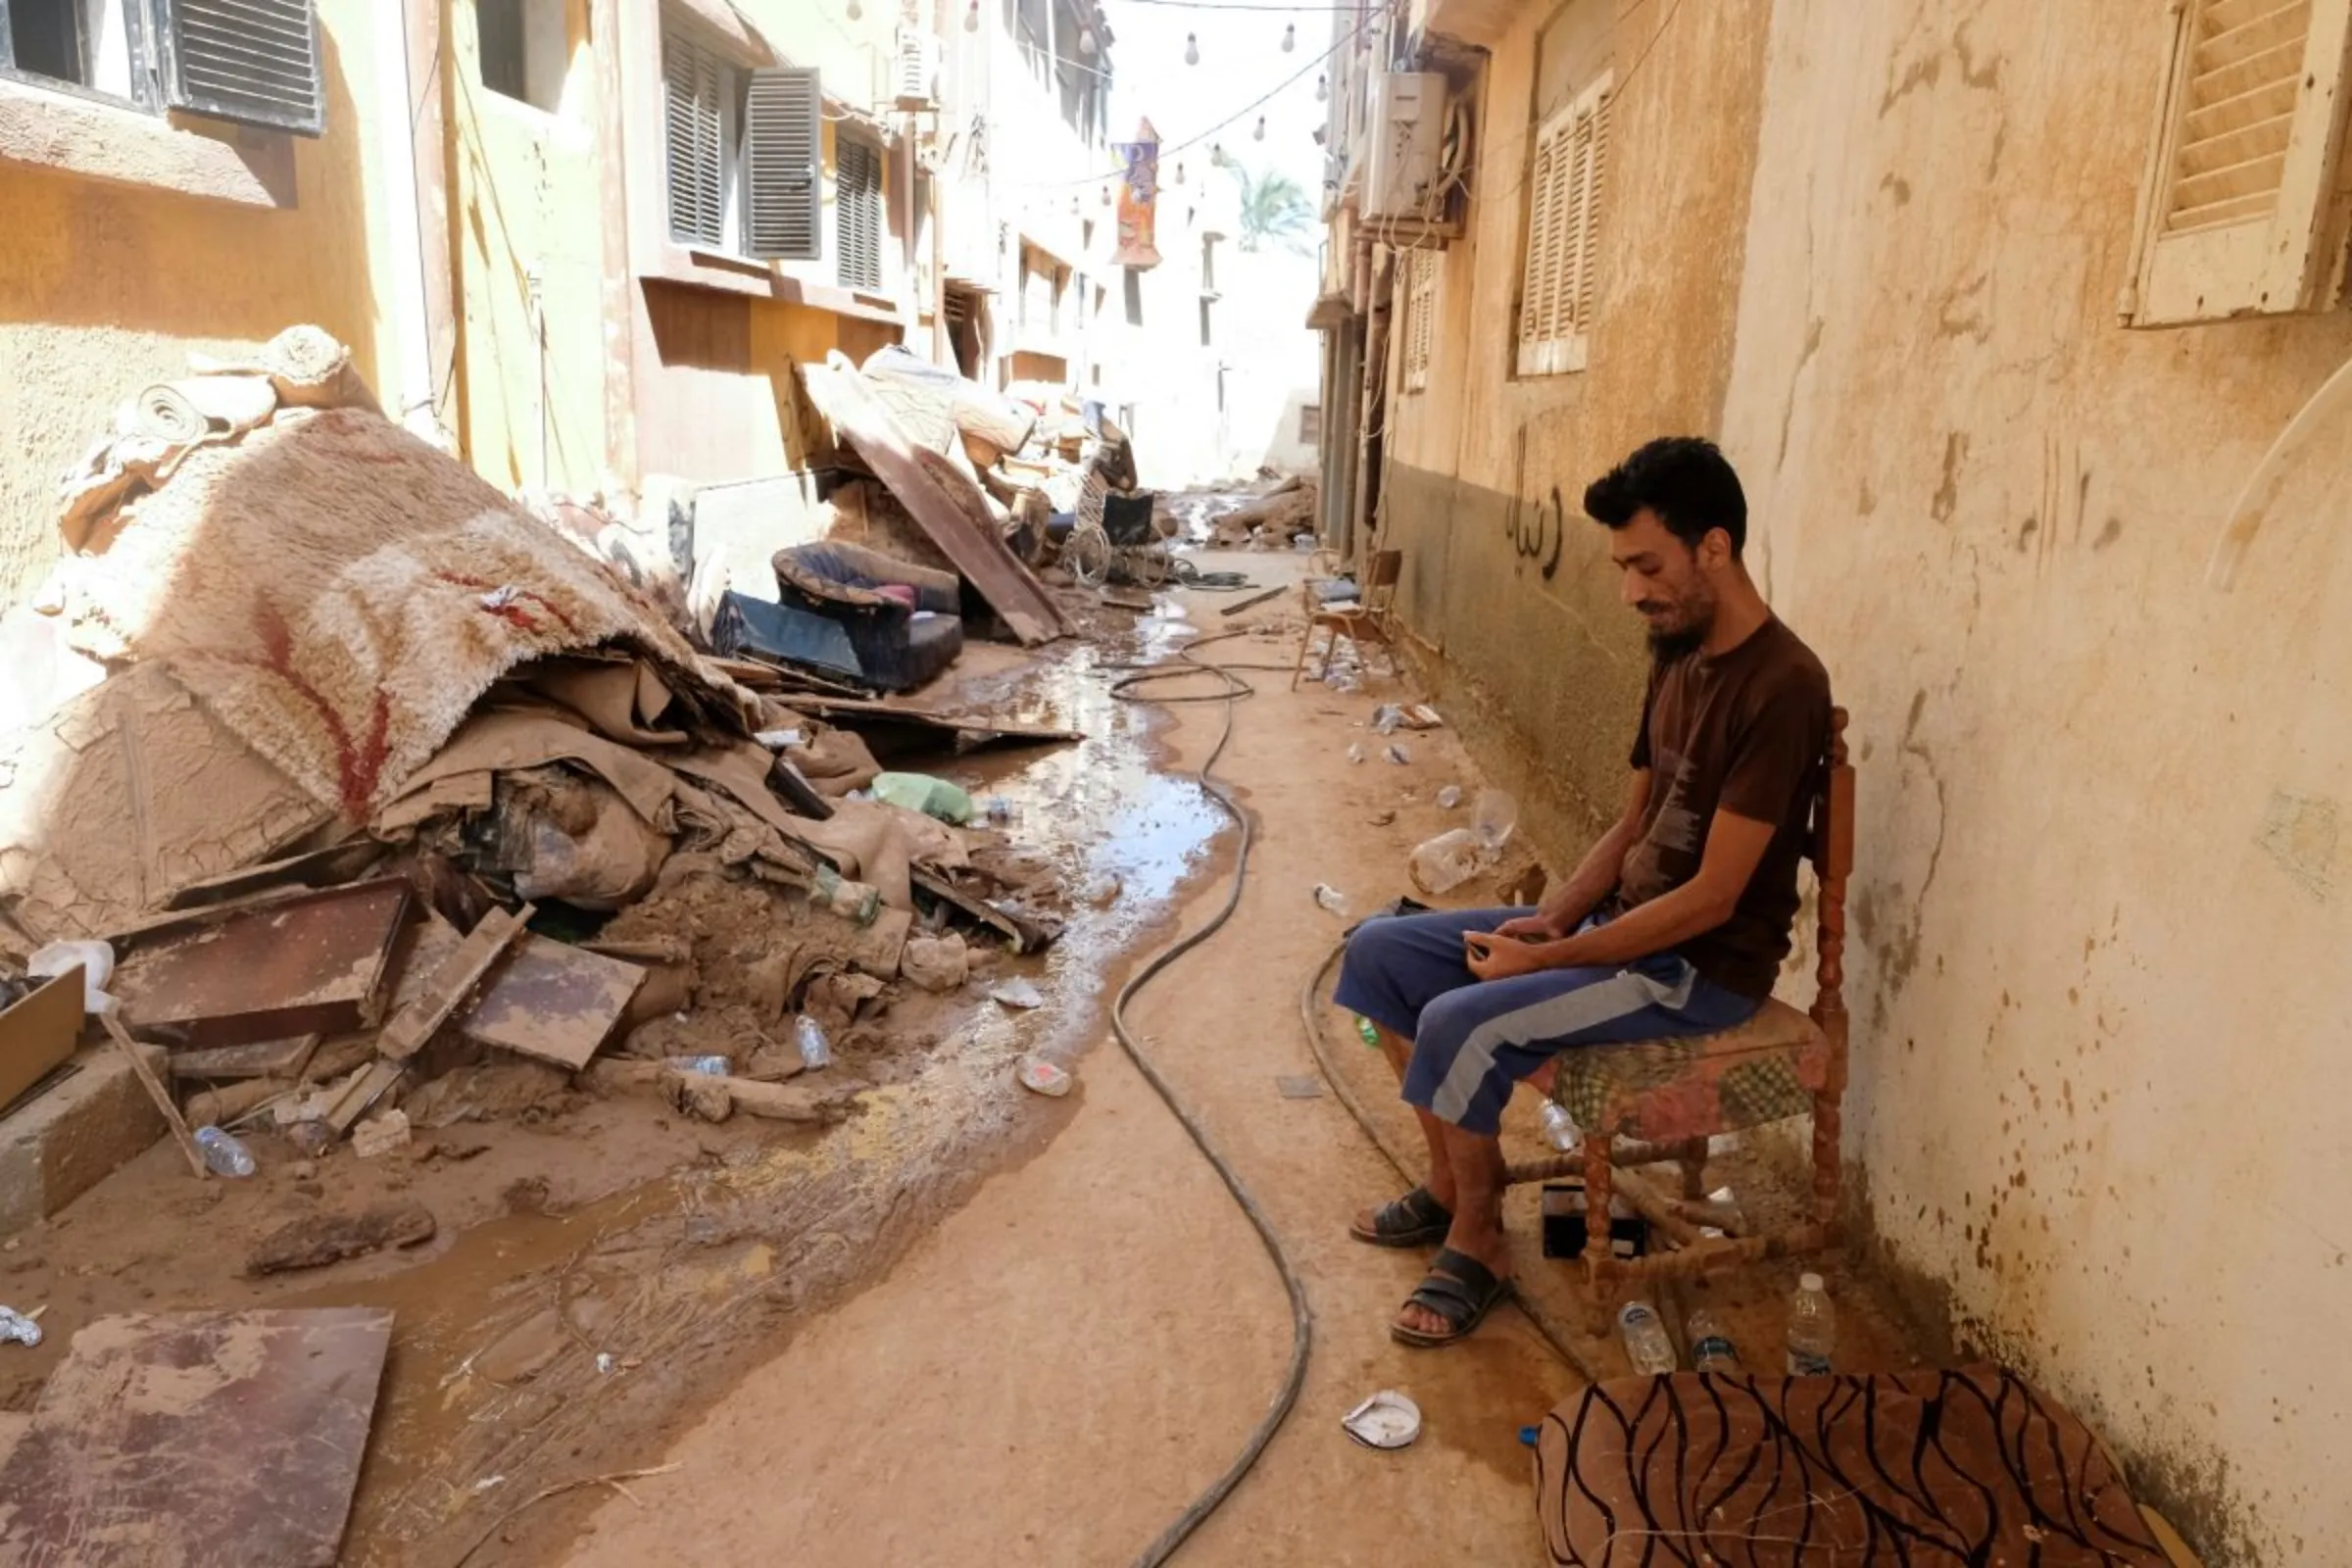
(1644, 1335)
(1331, 898)
(223, 1155)
(1711, 1348)
(816, 1049)
(711, 1066)
(1560, 1128)
(1365, 1032)
(1445, 863)
(1812, 1329)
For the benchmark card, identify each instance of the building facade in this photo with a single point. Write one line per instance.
(1999, 306)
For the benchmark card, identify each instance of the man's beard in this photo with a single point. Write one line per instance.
(1668, 646)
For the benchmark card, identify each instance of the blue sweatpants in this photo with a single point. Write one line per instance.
(1474, 1039)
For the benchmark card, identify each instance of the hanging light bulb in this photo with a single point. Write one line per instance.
(1259, 134)
(1191, 47)
(1322, 89)
(1290, 37)
(1073, 206)
(857, 11)
(971, 17)
(1086, 41)
(1107, 195)
(1180, 172)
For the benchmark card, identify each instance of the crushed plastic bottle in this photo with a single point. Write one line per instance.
(1399, 755)
(1644, 1335)
(998, 811)
(1331, 898)
(1365, 1032)
(1449, 797)
(1711, 1348)
(223, 1154)
(1356, 753)
(1385, 717)
(713, 1066)
(1493, 818)
(1445, 863)
(1560, 1128)
(816, 1049)
(18, 1329)
(1812, 1329)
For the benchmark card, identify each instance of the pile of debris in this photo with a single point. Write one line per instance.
(388, 803)
(1276, 514)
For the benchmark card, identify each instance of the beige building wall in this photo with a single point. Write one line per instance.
(2100, 907)
(132, 241)
(2102, 900)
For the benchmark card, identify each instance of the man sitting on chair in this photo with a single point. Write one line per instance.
(1674, 923)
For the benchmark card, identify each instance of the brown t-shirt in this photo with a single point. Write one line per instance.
(1744, 733)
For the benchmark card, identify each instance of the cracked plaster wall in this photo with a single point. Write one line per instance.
(2100, 896)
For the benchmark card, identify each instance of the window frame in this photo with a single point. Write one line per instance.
(1570, 278)
(138, 29)
(2282, 258)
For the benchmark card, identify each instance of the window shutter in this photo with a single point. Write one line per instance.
(692, 82)
(1559, 286)
(2240, 214)
(783, 119)
(1420, 315)
(858, 212)
(252, 61)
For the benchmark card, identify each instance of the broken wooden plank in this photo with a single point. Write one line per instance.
(1253, 600)
(155, 1090)
(944, 500)
(316, 1239)
(457, 979)
(553, 1003)
(1026, 932)
(264, 1058)
(311, 963)
(362, 1091)
(197, 1438)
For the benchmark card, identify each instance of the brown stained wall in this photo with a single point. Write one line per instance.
(1549, 666)
(2103, 889)
(2103, 893)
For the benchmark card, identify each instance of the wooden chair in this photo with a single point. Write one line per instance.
(1364, 621)
(1658, 1100)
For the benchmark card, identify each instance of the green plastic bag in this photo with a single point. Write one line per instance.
(921, 792)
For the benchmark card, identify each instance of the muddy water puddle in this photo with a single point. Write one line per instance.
(538, 1348)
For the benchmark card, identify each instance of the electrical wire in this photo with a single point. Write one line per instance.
(1302, 1327)
(1170, 149)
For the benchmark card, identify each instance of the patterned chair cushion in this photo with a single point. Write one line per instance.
(1767, 1069)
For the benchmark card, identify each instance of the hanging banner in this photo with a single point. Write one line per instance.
(1139, 190)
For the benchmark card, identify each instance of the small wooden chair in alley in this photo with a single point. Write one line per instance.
(1659, 1100)
(1363, 622)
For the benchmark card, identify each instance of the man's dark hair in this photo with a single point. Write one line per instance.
(1685, 479)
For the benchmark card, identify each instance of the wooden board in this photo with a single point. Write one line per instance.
(552, 1003)
(853, 711)
(460, 975)
(38, 1033)
(311, 963)
(201, 1440)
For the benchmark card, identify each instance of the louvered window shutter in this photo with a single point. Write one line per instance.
(782, 125)
(858, 212)
(2240, 214)
(252, 61)
(1420, 323)
(693, 83)
(1560, 285)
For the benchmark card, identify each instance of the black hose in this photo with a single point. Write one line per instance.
(1309, 995)
(1302, 1327)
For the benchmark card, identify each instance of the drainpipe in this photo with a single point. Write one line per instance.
(411, 377)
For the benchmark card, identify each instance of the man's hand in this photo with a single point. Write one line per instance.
(1535, 927)
(1492, 956)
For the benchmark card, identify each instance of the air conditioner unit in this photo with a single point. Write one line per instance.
(916, 76)
(1407, 133)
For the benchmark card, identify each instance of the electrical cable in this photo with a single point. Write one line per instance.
(1303, 1329)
